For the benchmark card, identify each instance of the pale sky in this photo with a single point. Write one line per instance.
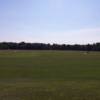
(50, 21)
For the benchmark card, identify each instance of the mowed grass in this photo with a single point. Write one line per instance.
(49, 75)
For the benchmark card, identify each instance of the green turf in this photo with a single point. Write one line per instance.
(49, 75)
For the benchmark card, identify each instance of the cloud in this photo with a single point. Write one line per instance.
(83, 36)
(80, 36)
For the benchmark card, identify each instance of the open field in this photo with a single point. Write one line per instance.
(49, 75)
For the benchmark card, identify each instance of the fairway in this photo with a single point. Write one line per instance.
(49, 75)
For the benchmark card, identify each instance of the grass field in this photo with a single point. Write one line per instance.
(49, 75)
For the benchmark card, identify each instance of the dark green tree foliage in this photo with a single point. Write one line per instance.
(43, 46)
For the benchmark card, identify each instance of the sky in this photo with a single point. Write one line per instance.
(50, 21)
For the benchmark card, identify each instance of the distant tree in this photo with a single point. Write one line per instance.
(43, 46)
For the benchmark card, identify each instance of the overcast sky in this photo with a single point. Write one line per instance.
(50, 21)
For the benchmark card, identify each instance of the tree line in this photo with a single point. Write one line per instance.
(43, 46)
